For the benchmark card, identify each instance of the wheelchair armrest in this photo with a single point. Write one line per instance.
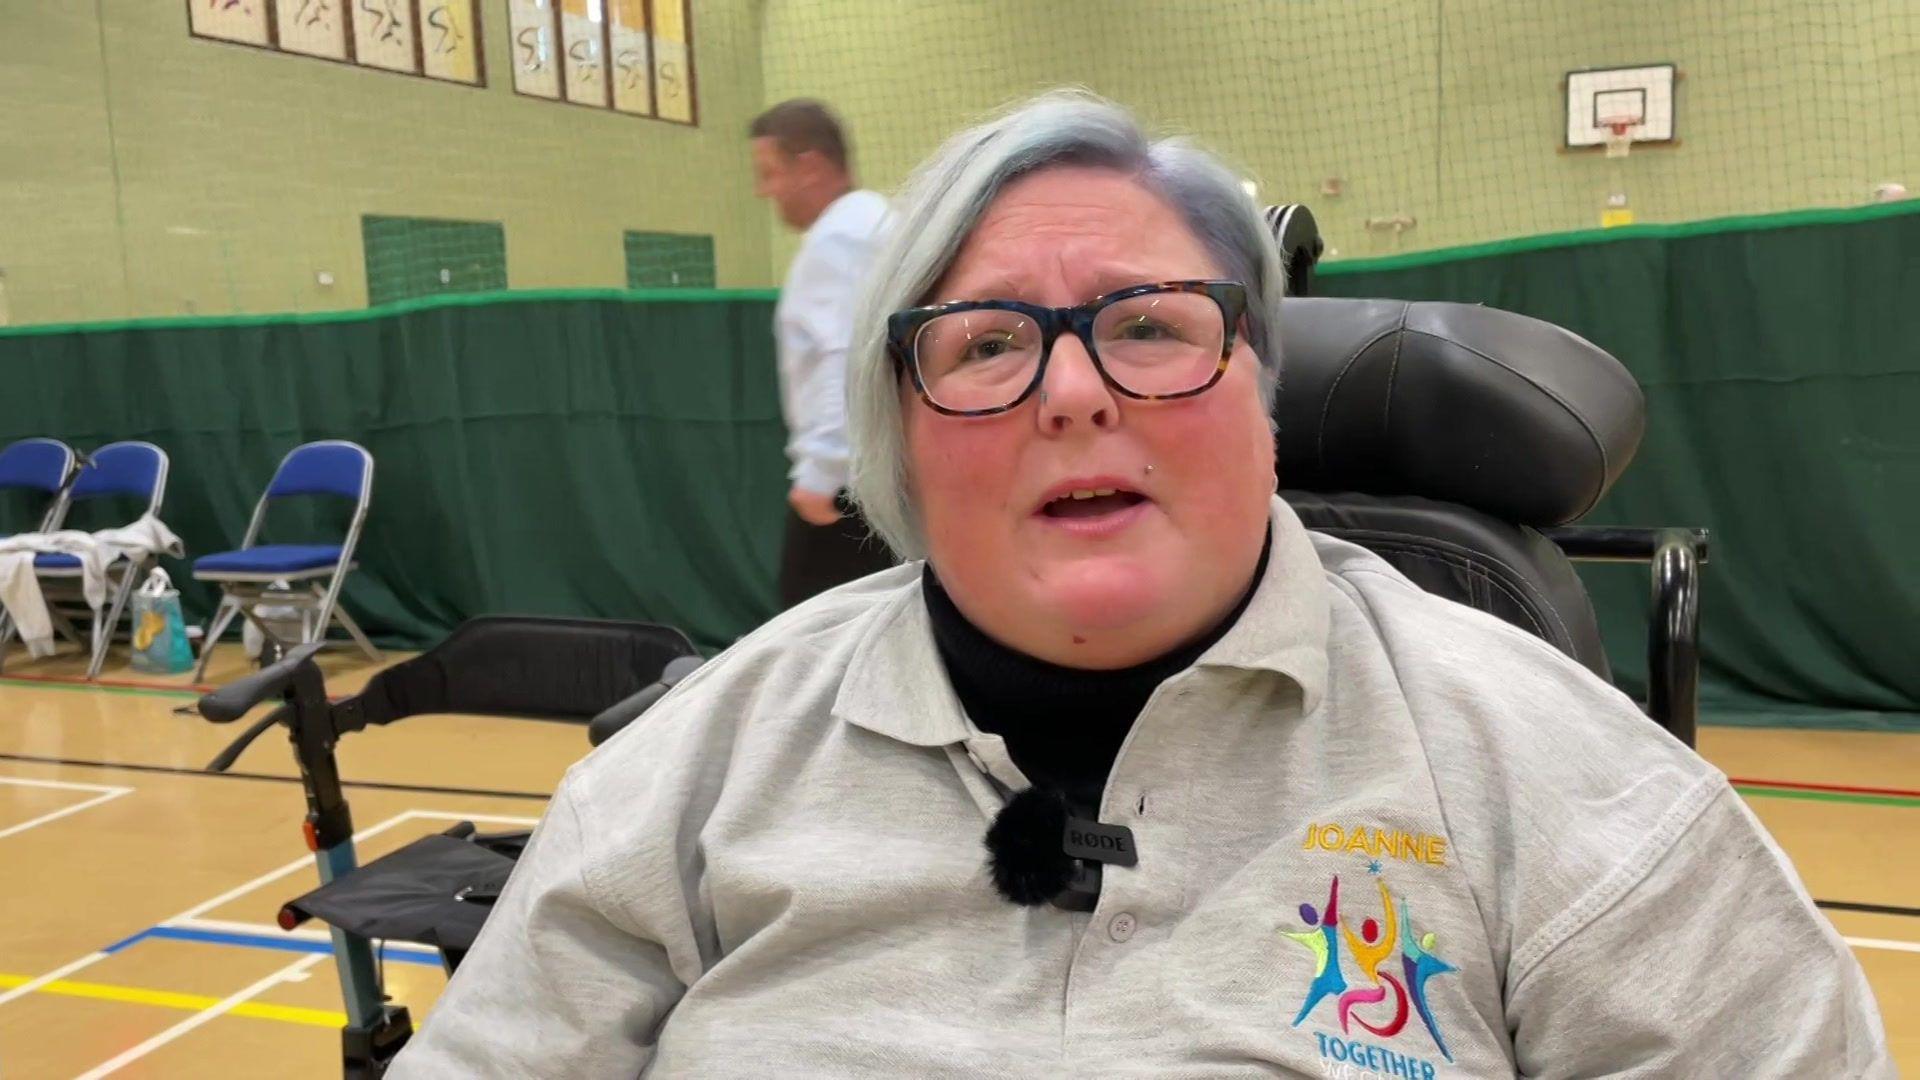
(236, 699)
(1608, 543)
(1673, 640)
(1675, 557)
(610, 722)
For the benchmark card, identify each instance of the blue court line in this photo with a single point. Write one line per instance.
(392, 953)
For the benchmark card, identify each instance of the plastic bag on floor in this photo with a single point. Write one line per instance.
(160, 644)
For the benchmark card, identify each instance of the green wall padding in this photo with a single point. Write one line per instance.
(598, 457)
(1781, 366)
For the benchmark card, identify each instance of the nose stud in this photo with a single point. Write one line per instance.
(1149, 470)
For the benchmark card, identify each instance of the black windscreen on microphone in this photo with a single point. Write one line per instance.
(1041, 854)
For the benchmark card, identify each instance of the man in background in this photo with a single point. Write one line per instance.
(802, 165)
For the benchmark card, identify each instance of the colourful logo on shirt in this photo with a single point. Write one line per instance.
(1385, 1004)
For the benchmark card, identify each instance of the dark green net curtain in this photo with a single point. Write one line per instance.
(602, 455)
(619, 454)
(1781, 364)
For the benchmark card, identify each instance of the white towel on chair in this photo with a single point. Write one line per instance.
(20, 588)
(20, 597)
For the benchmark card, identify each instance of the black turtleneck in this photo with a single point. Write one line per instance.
(1063, 726)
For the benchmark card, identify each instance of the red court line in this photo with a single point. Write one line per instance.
(114, 684)
(1845, 788)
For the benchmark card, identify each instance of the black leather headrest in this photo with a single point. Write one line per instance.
(1509, 415)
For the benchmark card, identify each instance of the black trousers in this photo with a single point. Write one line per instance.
(816, 558)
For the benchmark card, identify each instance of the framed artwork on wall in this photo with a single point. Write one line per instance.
(384, 35)
(631, 56)
(583, 49)
(244, 21)
(450, 41)
(439, 39)
(673, 62)
(312, 28)
(534, 42)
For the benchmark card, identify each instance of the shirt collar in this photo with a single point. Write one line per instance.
(1284, 629)
(896, 686)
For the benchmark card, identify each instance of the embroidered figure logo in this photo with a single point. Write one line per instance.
(1372, 949)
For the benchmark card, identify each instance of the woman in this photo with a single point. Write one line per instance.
(1347, 828)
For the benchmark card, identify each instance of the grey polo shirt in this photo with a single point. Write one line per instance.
(1380, 835)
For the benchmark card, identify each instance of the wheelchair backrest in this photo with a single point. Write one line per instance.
(1443, 437)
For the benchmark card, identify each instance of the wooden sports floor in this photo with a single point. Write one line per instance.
(140, 893)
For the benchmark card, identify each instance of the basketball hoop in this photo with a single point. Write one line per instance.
(1619, 135)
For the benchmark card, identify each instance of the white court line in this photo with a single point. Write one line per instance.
(304, 861)
(1882, 943)
(59, 785)
(478, 819)
(55, 975)
(93, 958)
(307, 861)
(291, 973)
(231, 926)
(192, 920)
(234, 926)
(107, 794)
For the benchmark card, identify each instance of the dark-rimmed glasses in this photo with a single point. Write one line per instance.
(1149, 342)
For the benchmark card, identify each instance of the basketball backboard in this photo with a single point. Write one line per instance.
(1606, 104)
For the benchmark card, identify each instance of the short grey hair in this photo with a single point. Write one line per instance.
(944, 200)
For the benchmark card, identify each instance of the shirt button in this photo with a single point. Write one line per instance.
(1121, 927)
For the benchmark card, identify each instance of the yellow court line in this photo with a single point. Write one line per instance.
(167, 999)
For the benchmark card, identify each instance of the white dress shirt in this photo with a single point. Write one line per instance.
(813, 327)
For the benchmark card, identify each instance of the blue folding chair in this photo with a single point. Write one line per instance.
(45, 466)
(132, 470)
(334, 468)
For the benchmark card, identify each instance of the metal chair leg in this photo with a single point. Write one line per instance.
(222, 617)
(353, 631)
(96, 646)
(104, 628)
(332, 611)
(63, 626)
(313, 617)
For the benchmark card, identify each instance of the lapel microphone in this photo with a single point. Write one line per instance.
(1041, 853)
